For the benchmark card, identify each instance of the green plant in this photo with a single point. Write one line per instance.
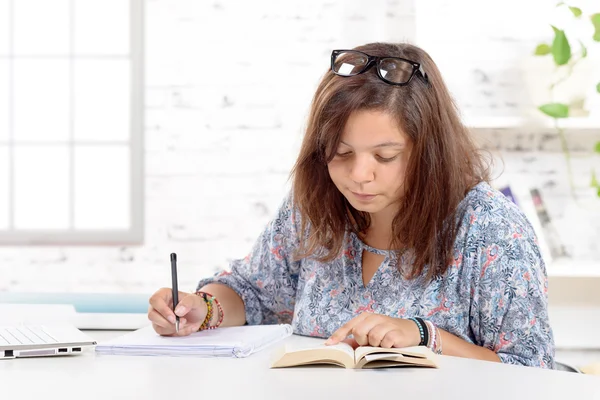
(565, 59)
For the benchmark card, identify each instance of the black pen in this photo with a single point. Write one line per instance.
(174, 286)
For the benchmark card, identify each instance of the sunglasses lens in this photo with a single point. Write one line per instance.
(395, 70)
(349, 63)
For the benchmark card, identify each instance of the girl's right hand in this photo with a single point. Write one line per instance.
(191, 311)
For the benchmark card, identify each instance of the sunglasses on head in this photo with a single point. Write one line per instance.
(392, 70)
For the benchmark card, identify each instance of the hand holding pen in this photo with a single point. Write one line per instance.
(168, 305)
(175, 289)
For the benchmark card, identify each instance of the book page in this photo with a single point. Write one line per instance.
(377, 357)
(343, 347)
(414, 351)
(340, 354)
(383, 356)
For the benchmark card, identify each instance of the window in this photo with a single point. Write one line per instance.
(71, 121)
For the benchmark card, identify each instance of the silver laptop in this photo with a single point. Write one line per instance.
(42, 340)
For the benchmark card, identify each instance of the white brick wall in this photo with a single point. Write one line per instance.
(228, 90)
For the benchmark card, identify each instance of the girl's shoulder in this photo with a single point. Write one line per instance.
(494, 229)
(488, 219)
(484, 205)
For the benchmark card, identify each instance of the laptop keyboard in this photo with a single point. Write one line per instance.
(13, 335)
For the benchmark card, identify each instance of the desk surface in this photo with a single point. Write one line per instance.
(93, 376)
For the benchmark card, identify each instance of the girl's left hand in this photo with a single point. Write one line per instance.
(378, 330)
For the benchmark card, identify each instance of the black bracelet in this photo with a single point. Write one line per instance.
(424, 331)
(422, 334)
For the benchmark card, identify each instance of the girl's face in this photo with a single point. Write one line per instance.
(370, 162)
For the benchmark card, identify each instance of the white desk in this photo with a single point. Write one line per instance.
(91, 376)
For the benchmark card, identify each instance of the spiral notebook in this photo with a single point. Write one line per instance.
(238, 342)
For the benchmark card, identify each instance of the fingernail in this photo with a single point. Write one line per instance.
(329, 341)
(182, 321)
(171, 319)
(179, 310)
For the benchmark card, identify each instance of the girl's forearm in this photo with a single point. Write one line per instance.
(234, 313)
(455, 346)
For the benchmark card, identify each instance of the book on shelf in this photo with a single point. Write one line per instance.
(530, 200)
(557, 249)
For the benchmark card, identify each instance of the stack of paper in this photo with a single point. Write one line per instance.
(239, 341)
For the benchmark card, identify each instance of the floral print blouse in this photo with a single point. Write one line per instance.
(494, 294)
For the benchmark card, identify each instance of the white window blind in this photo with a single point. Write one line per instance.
(71, 106)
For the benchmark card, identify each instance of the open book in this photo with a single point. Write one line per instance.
(238, 341)
(343, 355)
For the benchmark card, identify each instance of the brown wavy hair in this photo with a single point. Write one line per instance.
(444, 164)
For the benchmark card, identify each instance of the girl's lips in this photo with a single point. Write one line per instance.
(364, 196)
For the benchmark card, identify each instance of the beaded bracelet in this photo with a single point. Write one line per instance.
(438, 349)
(209, 299)
(431, 331)
(220, 312)
(422, 330)
(436, 342)
(209, 314)
(422, 335)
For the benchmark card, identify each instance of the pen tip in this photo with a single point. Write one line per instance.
(173, 257)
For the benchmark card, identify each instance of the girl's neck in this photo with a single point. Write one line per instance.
(379, 233)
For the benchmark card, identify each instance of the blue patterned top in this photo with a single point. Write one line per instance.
(493, 295)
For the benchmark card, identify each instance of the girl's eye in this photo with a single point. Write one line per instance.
(343, 154)
(384, 159)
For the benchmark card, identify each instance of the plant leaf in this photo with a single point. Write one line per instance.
(597, 148)
(555, 110)
(576, 11)
(596, 22)
(542, 49)
(561, 50)
(598, 87)
(594, 182)
(583, 49)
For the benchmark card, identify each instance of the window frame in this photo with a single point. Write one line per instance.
(74, 236)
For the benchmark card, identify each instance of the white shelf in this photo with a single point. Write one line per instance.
(572, 268)
(488, 122)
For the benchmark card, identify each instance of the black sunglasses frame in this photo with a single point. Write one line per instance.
(373, 60)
